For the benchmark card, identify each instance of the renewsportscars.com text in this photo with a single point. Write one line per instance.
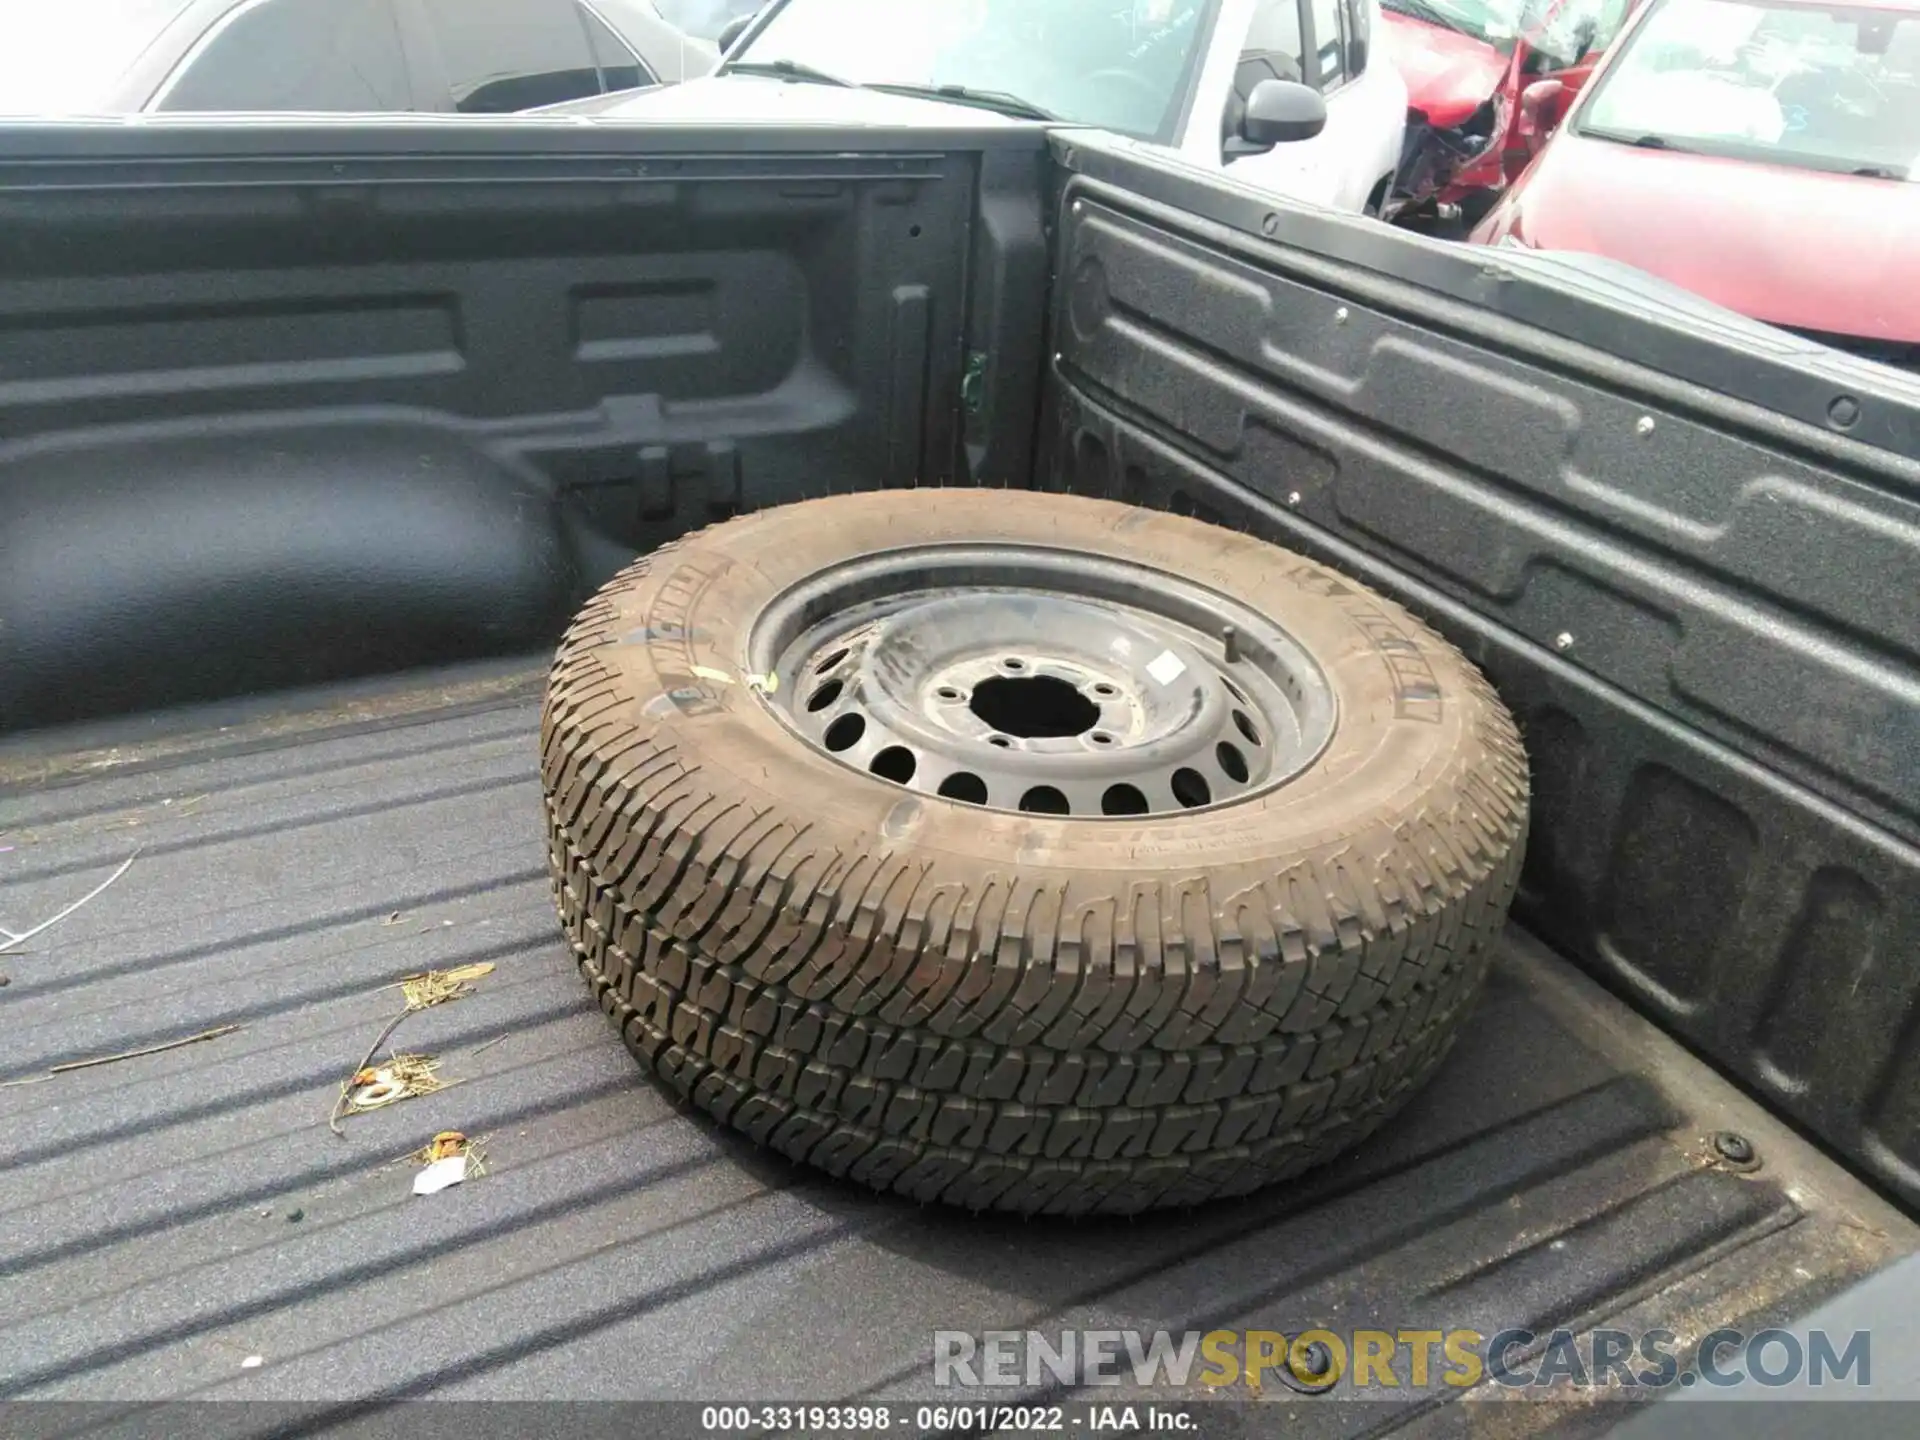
(1376, 1363)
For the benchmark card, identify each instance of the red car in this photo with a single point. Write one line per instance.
(1467, 64)
(1764, 154)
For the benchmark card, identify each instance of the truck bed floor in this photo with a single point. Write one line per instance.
(166, 1218)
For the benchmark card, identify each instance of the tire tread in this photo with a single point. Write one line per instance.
(985, 1039)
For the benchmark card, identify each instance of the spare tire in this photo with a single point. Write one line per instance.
(1026, 852)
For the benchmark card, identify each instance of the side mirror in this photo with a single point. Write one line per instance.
(732, 31)
(1539, 111)
(1280, 112)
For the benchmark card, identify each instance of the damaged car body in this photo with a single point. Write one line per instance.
(1487, 81)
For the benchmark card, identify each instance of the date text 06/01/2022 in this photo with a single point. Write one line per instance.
(1087, 1419)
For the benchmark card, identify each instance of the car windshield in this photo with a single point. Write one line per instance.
(1551, 26)
(1122, 65)
(704, 18)
(66, 57)
(1783, 83)
(1495, 21)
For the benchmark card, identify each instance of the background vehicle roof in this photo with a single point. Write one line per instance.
(72, 56)
(78, 57)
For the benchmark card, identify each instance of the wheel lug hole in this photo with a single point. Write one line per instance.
(1013, 664)
(949, 694)
(1105, 691)
(1000, 742)
(1100, 737)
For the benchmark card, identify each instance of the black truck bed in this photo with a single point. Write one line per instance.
(168, 1217)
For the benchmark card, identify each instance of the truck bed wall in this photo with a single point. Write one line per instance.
(1703, 613)
(283, 405)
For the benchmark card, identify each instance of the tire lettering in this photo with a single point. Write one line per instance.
(1416, 693)
(668, 633)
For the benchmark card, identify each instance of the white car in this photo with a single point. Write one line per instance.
(1338, 47)
(477, 57)
(1295, 96)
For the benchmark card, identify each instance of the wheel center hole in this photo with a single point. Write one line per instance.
(1034, 707)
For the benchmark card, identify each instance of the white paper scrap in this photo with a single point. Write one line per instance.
(1166, 667)
(440, 1174)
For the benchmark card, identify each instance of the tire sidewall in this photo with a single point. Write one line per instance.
(672, 636)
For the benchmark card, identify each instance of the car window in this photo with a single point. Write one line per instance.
(1359, 18)
(620, 68)
(1122, 65)
(1273, 46)
(1781, 83)
(1273, 52)
(1330, 43)
(295, 55)
(505, 55)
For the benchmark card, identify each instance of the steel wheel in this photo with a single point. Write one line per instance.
(1018, 679)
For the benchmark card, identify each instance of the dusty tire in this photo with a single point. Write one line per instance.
(1022, 1011)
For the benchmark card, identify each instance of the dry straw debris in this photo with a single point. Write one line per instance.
(373, 1087)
